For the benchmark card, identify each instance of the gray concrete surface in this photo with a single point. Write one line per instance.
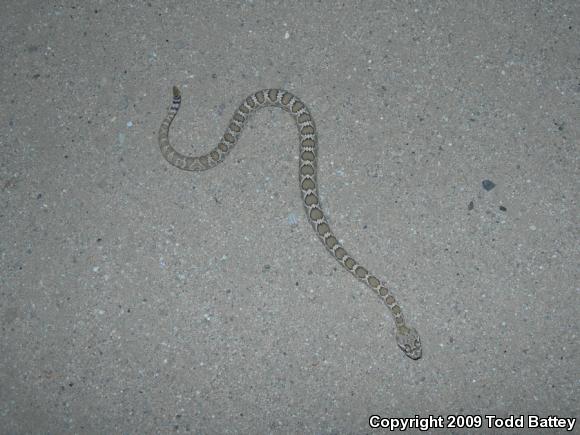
(137, 298)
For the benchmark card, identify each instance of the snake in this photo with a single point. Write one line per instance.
(407, 337)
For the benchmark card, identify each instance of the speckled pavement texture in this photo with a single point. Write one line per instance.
(138, 298)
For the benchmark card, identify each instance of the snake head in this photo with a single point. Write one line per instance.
(409, 341)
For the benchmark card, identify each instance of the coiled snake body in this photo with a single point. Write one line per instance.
(407, 337)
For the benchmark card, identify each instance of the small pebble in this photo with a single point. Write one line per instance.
(293, 219)
(488, 184)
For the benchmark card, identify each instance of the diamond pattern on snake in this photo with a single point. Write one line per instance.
(407, 337)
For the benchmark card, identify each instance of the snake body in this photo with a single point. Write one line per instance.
(407, 337)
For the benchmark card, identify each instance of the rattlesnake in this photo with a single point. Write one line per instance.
(407, 337)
